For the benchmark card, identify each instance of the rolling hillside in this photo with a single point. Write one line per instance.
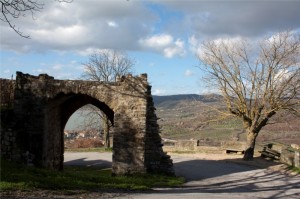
(196, 117)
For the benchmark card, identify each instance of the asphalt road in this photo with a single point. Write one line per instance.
(209, 178)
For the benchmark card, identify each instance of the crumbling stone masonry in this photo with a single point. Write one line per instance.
(43, 105)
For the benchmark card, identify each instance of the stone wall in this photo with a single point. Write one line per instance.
(155, 158)
(234, 145)
(290, 156)
(9, 148)
(7, 88)
(43, 105)
(186, 145)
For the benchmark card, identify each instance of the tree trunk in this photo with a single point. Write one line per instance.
(105, 123)
(249, 152)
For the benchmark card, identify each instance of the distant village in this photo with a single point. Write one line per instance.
(76, 134)
(83, 138)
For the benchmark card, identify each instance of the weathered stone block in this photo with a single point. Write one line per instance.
(297, 159)
(186, 145)
(287, 157)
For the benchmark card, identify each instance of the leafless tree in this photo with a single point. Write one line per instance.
(14, 9)
(256, 81)
(106, 66)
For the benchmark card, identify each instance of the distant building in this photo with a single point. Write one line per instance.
(70, 135)
(81, 134)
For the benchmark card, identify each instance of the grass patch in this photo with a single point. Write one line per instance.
(18, 177)
(98, 149)
(294, 169)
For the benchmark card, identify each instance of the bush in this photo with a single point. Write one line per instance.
(83, 143)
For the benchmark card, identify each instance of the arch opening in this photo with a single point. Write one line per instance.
(62, 107)
(84, 129)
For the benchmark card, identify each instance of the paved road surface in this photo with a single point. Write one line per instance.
(210, 178)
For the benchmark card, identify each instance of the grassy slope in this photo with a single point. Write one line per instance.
(183, 116)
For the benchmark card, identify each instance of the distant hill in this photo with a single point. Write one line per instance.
(171, 101)
(184, 117)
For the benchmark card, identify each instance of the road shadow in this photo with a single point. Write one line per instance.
(89, 163)
(199, 169)
(234, 176)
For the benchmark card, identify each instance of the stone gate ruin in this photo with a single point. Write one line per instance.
(42, 106)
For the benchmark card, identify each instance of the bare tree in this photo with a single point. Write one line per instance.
(14, 9)
(256, 81)
(106, 66)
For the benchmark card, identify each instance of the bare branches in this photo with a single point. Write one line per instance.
(64, 1)
(107, 65)
(255, 88)
(14, 9)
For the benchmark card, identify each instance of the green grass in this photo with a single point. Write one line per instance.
(294, 169)
(18, 177)
(99, 149)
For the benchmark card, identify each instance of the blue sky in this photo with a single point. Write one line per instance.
(163, 36)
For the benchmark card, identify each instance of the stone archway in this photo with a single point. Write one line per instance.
(42, 106)
(57, 112)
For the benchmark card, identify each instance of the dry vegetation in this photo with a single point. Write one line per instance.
(195, 118)
(83, 143)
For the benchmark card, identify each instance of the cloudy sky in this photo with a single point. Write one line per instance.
(160, 35)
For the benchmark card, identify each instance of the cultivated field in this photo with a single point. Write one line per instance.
(197, 117)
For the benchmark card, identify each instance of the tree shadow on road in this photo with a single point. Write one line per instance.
(89, 163)
(235, 176)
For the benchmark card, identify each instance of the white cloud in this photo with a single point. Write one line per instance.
(67, 36)
(41, 71)
(130, 25)
(165, 44)
(212, 19)
(66, 75)
(65, 70)
(157, 41)
(188, 73)
(80, 26)
(74, 62)
(158, 92)
(57, 67)
(151, 64)
(6, 71)
(195, 45)
(282, 76)
(112, 24)
(209, 91)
